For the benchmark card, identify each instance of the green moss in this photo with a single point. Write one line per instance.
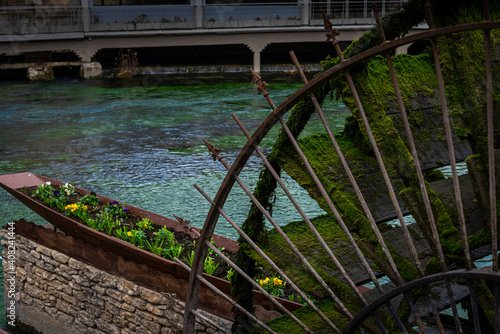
(303, 238)
(434, 175)
(310, 318)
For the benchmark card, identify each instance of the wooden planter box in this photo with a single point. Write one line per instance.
(143, 267)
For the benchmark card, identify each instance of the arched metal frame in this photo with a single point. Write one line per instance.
(276, 116)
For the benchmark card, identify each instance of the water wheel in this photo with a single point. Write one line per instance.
(411, 115)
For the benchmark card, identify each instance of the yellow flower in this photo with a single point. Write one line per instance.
(277, 281)
(129, 233)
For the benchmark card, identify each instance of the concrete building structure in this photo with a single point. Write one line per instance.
(83, 29)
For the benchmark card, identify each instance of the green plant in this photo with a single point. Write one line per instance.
(44, 192)
(111, 226)
(77, 209)
(122, 233)
(68, 190)
(230, 274)
(155, 247)
(137, 237)
(90, 200)
(165, 235)
(190, 258)
(59, 201)
(210, 251)
(173, 251)
(92, 223)
(145, 224)
(115, 209)
(209, 266)
(273, 285)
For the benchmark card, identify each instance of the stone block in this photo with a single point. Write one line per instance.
(92, 273)
(95, 311)
(153, 297)
(27, 256)
(66, 307)
(40, 73)
(43, 250)
(35, 254)
(153, 309)
(128, 307)
(120, 322)
(26, 299)
(81, 327)
(91, 70)
(68, 298)
(86, 318)
(115, 294)
(152, 326)
(128, 287)
(80, 280)
(60, 257)
(135, 302)
(144, 315)
(64, 318)
(106, 316)
(112, 309)
(75, 264)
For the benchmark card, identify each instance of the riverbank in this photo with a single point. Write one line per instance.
(70, 70)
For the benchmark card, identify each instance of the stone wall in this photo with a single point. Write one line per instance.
(47, 291)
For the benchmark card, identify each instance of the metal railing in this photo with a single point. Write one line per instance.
(350, 12)
(40, 20)
(132, 18)
(244, 15)
(32, 20)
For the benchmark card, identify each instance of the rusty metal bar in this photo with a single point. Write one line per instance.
(223, 295)
(496, 299)
(309, 224)
(491, 144)
(215, 153)
(491, 161)
(449, 141)
(262, 85)
(451, 151)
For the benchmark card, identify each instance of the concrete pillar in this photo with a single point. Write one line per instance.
(198, 13)
(256, 61)
(305, 12)
(91, 70)
(402, 49)
(256, 47)
(85, 15)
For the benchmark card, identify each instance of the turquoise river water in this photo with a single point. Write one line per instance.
(140, 141)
